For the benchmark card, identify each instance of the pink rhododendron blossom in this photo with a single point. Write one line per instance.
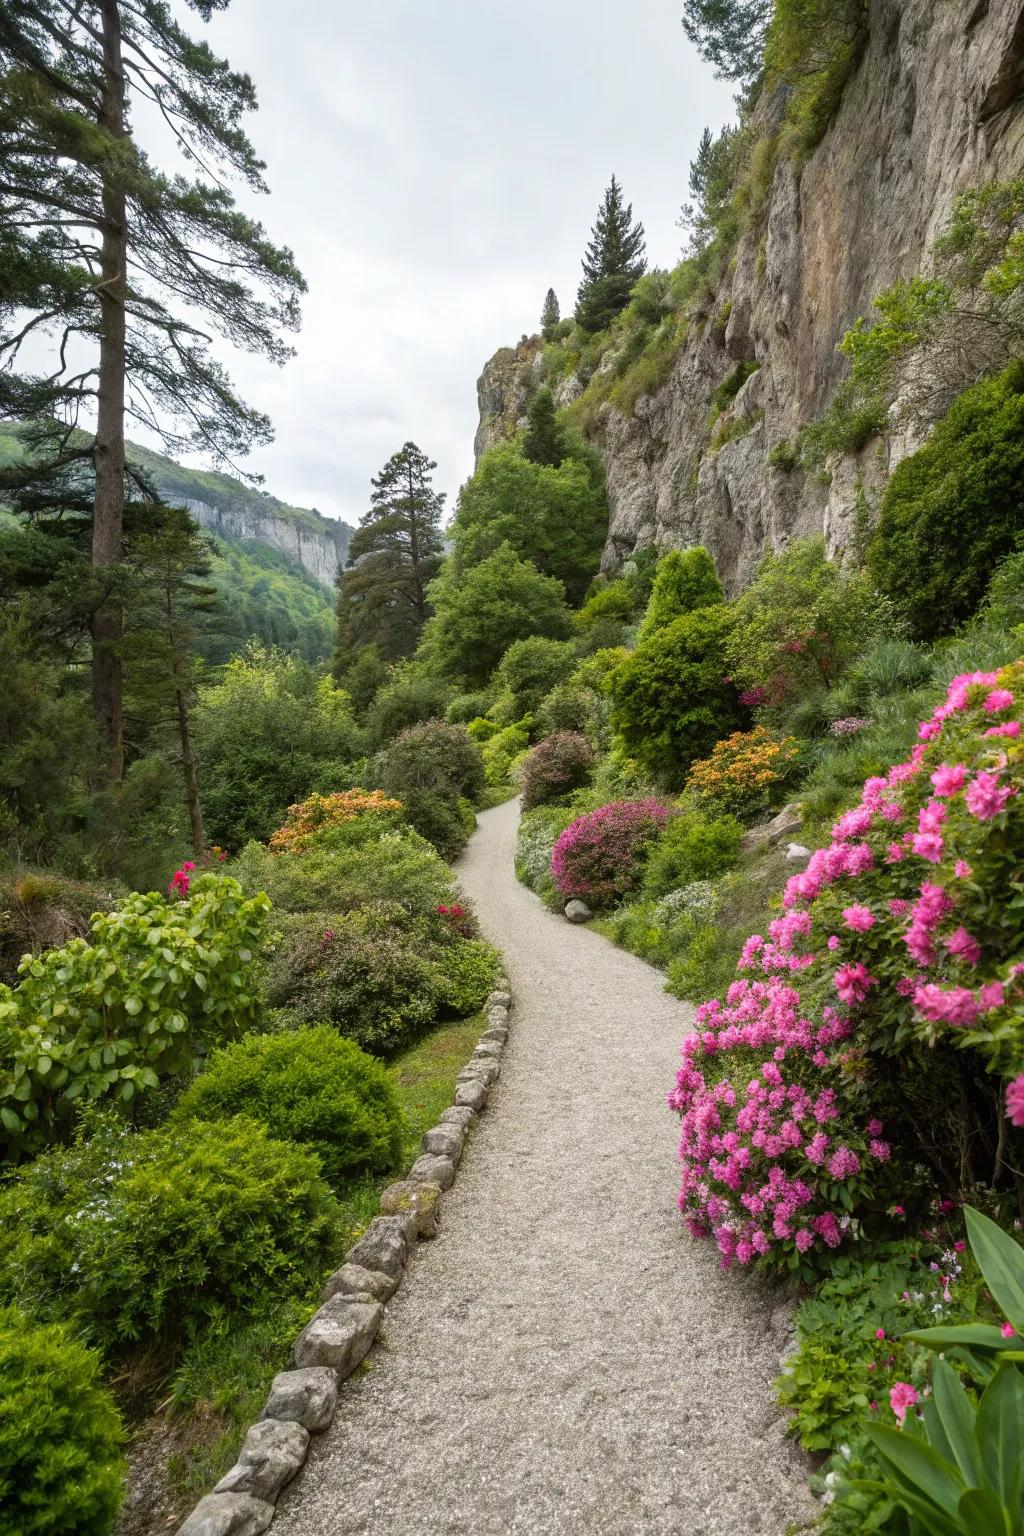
(901, 1397)
(998, 700)
(833, 941)
(963, 870)
(852, 983)
(860, 919)
(963, 946)
(948, 780)
(986, 797)
(1015, 1101)
(1011, 729)
(1008, 1331)
(928, 845)
(956, 1006)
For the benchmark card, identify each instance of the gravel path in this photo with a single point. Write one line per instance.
(562, 1358)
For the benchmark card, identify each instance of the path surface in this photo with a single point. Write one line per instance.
(562, 1358)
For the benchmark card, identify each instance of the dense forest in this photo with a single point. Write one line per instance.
(236, 974)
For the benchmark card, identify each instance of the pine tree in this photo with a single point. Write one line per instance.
(544, 442)
(730, 34)
(549, 315)
(613, 262)
(394, 553)
(117, 263)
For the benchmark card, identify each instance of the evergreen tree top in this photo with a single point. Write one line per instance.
(616, 244)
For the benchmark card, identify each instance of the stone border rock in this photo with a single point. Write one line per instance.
(336, 1339)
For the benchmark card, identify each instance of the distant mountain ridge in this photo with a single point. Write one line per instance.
(232, 510)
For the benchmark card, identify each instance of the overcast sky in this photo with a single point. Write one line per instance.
(435, 165)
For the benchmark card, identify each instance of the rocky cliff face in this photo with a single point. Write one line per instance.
(935, 106)
(319, 547)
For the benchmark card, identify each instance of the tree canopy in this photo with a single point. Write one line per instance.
(549, 315)
(730, 34)
(480, 612)
(544, 442)
(554, 517)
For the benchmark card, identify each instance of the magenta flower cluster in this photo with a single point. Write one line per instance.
(889, 932)
(599, 856)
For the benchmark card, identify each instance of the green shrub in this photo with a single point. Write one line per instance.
(150, 1236)
(529, 669)
(611, 604)
(729, 388)
(311, 1087)
(953, 510)
(501, 751)
(446, 821)
(800, 624)
(411, 697)
(433, 756)
(265, 735)
(539, 831)
(692, 847)
(359, 972)
(555, 767)
(570, 707)
(467, 707)
(686, 580)
(335, 875)
(670, 702)
(464, 975)
(61, 1467)
(161, 983)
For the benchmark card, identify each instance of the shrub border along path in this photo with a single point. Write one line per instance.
(336, 1339)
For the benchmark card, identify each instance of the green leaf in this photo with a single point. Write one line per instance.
(956, 1414)
(981, 1336)
(1001, 1261)
(983, 1515)
(1001, 1435)
(923, 1468)
(11, 1121)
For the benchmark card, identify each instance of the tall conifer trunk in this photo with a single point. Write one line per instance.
(108, 513)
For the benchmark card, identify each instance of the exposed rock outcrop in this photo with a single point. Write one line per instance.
(320, 546)
(934, 106)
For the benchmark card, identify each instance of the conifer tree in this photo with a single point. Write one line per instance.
(730, 34)
(549, 315)
(544, 442)
(613, 262)
(118, 263)
(394, 553)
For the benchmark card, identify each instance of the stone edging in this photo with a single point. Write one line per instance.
(303, 1400)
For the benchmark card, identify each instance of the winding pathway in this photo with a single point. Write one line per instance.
(562, 1359)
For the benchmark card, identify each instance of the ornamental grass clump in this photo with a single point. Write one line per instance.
(893, 973)
(601, 856)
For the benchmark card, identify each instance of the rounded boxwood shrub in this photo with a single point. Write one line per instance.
(600, 856)
(61, 1467)
(530, 669)
(312, 1087)
(136, 1237)
(557, 765)
(692, 847)
(370, 979)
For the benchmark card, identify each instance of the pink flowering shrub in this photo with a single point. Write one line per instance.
(900, 949)
(601, 856)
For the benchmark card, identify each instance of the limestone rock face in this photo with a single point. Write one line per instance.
(936, 105)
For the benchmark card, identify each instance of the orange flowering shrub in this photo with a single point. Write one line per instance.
(743, 772)
(322, 813)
